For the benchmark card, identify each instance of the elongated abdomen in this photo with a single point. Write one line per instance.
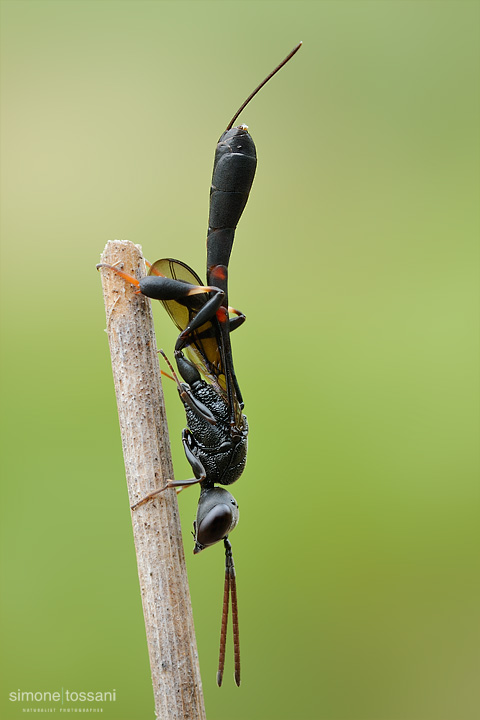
(233, 172)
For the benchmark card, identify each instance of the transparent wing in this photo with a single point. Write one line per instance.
(204, 349)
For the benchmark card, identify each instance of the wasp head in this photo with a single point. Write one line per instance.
(217, 515)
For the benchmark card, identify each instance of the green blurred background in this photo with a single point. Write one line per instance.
(356, 266)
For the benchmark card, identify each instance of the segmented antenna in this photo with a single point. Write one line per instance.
(223, 631)
(236, 637)
(229, 587)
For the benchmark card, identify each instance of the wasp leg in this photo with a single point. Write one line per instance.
(159, 287)
(181, 484)
(178, 484)
(197, 467)
(148, 497)
(186, 395)
(119, 271)
(235, 322)
(188, 398)
(163, 288)
(208, 312)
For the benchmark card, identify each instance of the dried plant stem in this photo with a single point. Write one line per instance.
(166, 602)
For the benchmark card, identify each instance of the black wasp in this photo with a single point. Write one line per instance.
(215, 439)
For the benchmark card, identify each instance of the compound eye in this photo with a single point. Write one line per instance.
(215, 525)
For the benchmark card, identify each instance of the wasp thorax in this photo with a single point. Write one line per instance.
(217, 515)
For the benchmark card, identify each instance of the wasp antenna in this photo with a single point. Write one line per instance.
(175, 376)
(223, 632)
(162, 353)
(236, 639)
(274, 72)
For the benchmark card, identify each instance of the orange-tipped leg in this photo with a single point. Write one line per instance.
(117, 271)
